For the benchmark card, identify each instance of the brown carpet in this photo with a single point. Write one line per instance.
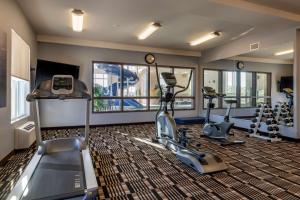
(128, 168)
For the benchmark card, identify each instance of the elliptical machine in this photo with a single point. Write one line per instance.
(219, 131)
(176, 139)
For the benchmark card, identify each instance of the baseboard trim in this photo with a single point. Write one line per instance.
(7, 157)
(138, 123)
(94, 126)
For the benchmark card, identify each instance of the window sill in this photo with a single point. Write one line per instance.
(232, 108)
(18, 119)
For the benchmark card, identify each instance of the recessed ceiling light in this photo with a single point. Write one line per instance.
(77, 20)
(284, 52)
(151, 28)
(205, 38)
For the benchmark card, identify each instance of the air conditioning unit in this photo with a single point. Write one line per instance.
(25, 135)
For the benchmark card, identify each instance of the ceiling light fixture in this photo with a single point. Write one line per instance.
(205, 38)
(284, 52)
(151, 28)
(77, 20)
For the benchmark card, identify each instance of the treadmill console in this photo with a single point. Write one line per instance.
(62, 84)
(169, 78)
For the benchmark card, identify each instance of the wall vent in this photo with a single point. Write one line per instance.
(24, 135)
(254, 46)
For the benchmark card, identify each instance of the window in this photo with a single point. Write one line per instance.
(20, 77)
(229, 86)
(106, 87)
(261, 88)
(129, 87)
(249, 88)
(211, 79)
(19, 105)
(229, 83)
(135, 87)
(184, 100)
(246, 89)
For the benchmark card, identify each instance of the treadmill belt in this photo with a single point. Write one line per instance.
(58, 176)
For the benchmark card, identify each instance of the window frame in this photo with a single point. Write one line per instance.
(17, 99)
(148, 97)
(238, 87)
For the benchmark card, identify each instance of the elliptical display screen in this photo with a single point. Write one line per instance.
(169, 78)
(62, 84)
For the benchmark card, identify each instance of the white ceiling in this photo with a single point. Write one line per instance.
(120, 21)
(287, 5)
(269, 52)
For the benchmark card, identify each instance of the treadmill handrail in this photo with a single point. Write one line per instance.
(43, 91)
(37, 95)
(19, 189)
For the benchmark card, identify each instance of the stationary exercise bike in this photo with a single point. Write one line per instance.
(175, 139)
(219, 131)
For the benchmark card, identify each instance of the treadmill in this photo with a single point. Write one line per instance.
(61, 168)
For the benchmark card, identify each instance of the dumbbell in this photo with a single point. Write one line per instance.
(284, 115)
(272, 135)
(284, 110)
(268, 115)
(287, 120)
(274, 114)
(271, 121)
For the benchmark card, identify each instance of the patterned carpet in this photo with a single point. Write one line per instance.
(128, 168)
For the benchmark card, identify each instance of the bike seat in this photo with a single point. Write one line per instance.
(230, 101)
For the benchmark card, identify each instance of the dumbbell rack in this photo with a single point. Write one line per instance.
(284, 114)
(254, 127)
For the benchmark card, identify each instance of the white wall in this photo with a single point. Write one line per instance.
(277, 71)
(83, 56)
(11, 17)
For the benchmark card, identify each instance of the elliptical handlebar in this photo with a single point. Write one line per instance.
(158, 80)
(179, 86)
(183, 89)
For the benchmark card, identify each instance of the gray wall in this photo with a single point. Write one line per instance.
(55, 113)
(84, 56)
(11, 17)
(277, 71)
